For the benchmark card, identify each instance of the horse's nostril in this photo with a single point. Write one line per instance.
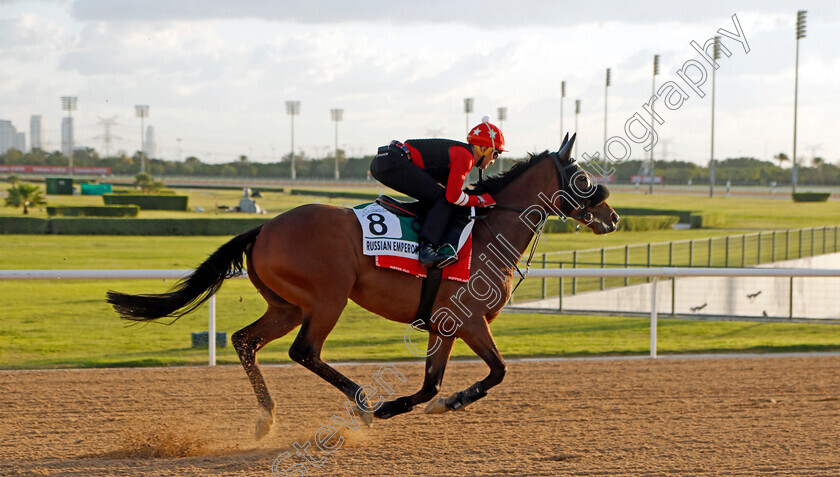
(614, 217)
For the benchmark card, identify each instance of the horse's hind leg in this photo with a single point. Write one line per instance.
(278, 320)
(306, 350)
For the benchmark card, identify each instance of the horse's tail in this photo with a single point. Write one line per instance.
(189, 293)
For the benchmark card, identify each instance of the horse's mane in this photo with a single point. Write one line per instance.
(494, 184)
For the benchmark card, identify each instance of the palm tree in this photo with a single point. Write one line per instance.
(25, 195)
(781, 157)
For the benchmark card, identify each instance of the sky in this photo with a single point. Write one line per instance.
(216, 74)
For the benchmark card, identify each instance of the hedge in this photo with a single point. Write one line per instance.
(555, 225)
(148, 202)
(93, 211)
(343, 195)
(683, 215)
(638, 223)
(707, 220)
(811, 196)
(24, 225)
(101, 226)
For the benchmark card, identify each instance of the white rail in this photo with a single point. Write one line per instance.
(655, 273)
(122, 275)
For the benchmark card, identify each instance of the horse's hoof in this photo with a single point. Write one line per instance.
(365, 416)
(264, 424)
(393, 408)
(436, 406)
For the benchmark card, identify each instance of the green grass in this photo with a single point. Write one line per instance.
(61, 324)
(67, 323)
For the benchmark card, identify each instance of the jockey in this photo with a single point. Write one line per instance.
(433, 171)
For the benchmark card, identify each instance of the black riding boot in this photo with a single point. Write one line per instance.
(432, 253)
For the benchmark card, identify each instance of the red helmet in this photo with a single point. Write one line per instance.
(486, 134)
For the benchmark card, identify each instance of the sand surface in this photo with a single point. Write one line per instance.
(737, 416)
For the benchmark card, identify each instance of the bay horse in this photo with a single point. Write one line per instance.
(307, 262)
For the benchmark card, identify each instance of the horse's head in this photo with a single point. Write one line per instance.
(579, 197)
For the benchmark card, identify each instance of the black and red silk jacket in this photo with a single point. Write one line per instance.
(448, 162)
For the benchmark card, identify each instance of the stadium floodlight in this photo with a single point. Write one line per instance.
(562, 96)
(336, 115)
(293, 109)
(652, 120)
(69, 104)
(716, 56)
(577, 113)
(502, 115)
(606, 87)
(800, 33)
(468, 108)
(142, 112)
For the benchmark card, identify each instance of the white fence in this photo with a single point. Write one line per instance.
(121, 275)
(655, 273)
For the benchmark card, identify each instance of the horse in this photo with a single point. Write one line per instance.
(307, 262)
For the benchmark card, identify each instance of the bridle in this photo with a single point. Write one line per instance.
(564, 182)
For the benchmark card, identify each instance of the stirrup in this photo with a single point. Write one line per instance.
(451, 255)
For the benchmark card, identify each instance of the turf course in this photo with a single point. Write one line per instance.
(68, 324)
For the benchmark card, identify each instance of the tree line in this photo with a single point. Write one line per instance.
(738, 171)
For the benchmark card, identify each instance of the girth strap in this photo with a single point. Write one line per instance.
(428, 293)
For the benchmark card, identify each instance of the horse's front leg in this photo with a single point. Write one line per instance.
(476, 333)
(437, 355)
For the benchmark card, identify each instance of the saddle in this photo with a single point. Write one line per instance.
(415, 209)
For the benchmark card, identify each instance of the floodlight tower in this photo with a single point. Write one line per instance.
(562, 95)
(468, 108)
(502, 115)
(652, 123)
(69, 103)
(337, 115)
(142, 112)
(577, 113)
(606, 88)
(716, 56)
(293, 109)
(800, 33)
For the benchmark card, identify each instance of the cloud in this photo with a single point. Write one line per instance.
(491, 14)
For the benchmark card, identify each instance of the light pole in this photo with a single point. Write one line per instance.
(716, 56)
(800, 33)
(69, 103)
(502, 114)
(293, 109)
(468, 108)
(652, 94)
(606, 88)
(562, 95)
(142, 112)
(577, 113)
(336, 115)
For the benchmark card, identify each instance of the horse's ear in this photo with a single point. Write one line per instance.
(565, 140)
(565, 151)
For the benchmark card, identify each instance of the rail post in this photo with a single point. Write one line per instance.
(648, 260)
(560, 294)
(653, 320)
(726, 256)
(603, 261)
(627, 262)
(211, 331)
(743, 250)
(787, 244)
(543, 280)
(773, 247)
(574, 279)
(710, 253)
(690, 253)
(758, 253)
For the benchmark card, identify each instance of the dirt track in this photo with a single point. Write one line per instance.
(768, 416)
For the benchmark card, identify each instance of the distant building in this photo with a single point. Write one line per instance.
(20, 141)
(150, 146)
(36, 132)
(66, 135)
(8, 136)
